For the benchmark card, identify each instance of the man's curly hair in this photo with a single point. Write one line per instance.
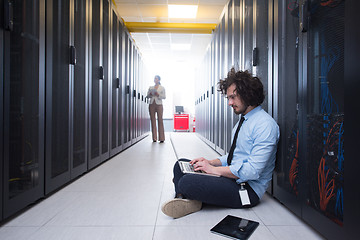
(248, 87)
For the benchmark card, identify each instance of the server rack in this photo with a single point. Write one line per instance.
(352, 84)
(106, 83)
(1, 107)
(80, 94)
(228, 42)
(134, 99)
(321, 111)
(22, 106)
(286, 175)
(96, 75)
(233, 52)
(248, 34)
(99, 93)
(314, 93)
(213, 128)
(121, 88)
(261, 49)
(58, 94)
(222, 104)
(127, 140)
(66, 96)
(132, 92)
(116, 129)
(217, 94)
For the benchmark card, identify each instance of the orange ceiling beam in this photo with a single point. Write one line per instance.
(151, 27)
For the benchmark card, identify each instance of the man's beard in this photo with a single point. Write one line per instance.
(241, 111)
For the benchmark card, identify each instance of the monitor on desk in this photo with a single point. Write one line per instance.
(179, 109)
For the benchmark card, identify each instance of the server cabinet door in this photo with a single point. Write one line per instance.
(126, 91)
(23, 82)
(287, 171)
(322, 121)
(105, 147)
(222, 105)
(96, 78)
(1, 111)
(121, 86)
(352, 84)
(80, 91)
(132, 91)
(217, 94)
(98, 92)
(248, 34)
(115, 90)
(260, 50)
(128, 97)
(235, 19)
(213, 83)
(122, 66)
(58, 94)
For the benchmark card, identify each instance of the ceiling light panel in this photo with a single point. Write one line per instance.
(180, 46)
(182, 11)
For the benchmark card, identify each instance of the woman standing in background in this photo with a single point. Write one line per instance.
(156, 94)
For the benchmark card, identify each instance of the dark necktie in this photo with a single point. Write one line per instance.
(233, 145)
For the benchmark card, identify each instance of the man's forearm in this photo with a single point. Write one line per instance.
(225, 172)
(215, 162)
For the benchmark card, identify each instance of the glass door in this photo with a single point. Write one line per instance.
(1, 115)
(23, 88)
(58, 94)
(105, 86)
(324, 141)
(66, 90)
(260, 50)
(286, 65)
(115, 132)
(80, 90)
(98, 92)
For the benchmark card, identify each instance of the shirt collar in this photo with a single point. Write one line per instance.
(252, 112)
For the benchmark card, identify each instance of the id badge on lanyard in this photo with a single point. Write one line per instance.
(244, 196)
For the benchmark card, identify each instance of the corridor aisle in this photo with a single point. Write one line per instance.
(121, 199)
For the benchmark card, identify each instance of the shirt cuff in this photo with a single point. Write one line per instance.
(235, 168)
(223, 160)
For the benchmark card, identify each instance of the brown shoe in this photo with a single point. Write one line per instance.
(177, 207)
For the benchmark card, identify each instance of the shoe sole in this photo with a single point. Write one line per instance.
(177, 208)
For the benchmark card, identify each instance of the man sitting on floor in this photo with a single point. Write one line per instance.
(246, 171)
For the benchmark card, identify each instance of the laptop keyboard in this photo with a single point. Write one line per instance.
(189, 167)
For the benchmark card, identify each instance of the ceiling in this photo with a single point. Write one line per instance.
(155, 47)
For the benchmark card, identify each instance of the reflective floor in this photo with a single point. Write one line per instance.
(121, 199)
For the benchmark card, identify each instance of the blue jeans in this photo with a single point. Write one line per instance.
(220, 191)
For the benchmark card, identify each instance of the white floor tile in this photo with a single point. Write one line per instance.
(110, 209)
(294, 233)
(93, 233)
(17, 233)
(273, 213)
(44, 211)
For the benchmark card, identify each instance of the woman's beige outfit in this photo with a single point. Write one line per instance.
(156, 106)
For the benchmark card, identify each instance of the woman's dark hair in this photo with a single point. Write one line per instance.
(249, 88)
(157, 76)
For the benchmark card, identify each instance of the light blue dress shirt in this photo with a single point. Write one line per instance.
(255, 152)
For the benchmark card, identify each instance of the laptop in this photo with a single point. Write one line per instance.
(186, 167)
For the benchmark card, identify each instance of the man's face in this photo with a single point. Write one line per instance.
(234, 100)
